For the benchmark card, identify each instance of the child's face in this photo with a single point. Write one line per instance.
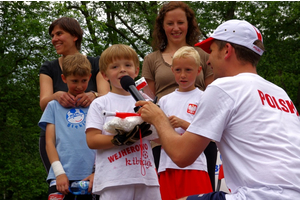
(185, 71)
(116, 70)
(76, 84)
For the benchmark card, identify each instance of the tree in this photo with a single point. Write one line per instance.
(25, 44)
(279, 23)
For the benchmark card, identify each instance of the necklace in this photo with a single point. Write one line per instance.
(168, 55)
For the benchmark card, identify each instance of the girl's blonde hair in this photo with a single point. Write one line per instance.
(187, 51)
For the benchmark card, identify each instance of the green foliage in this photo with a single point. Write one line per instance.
(279, 24)
(21, 169)
(25, 44)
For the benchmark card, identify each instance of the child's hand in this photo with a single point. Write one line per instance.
(175, 121)
(62, 184)
(178, 123)
(91, 179)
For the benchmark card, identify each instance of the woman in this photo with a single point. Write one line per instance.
(175, 26)
(66, 35)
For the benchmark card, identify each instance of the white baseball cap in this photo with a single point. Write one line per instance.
(237, 32)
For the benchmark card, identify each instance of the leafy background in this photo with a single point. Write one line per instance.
(25, 44)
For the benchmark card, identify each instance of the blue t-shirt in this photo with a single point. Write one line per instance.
(75, 156)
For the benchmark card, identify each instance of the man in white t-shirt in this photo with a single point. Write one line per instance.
(254, 122)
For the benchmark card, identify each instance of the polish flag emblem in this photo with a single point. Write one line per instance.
(192, 109)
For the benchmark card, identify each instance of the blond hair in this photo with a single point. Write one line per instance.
(115, 52)
(187, 51)
(76, 64)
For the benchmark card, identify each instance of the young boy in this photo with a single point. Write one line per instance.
(71, 159)
(180, 106)
(124, 172)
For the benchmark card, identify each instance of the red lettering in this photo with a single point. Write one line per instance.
(124, 153)
(291, 107)
(116, 156)
(120, 156)
(274, 100)
(284, 105)
(284, 108)
(135, 161)
(56, 196)
(128, 162)
(262, 96)
(111, 158)
(270, 101)
(132, 149)
(128, 150)
(137, 147)
(143, 146)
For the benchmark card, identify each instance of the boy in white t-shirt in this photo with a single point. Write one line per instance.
(253, 121)
(123, 170)
(180, 106)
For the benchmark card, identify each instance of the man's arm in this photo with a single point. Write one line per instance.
(182, 149)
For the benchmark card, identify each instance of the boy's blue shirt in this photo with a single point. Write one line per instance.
(76, 157)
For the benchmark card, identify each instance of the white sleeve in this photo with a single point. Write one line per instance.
(95, 118)
(213, 114)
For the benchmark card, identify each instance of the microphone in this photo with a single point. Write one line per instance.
(128, 85)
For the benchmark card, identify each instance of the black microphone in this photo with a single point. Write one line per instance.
(128, 84)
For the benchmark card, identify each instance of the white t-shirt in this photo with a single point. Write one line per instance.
(183, 105)
(257, 130)
(120, 165)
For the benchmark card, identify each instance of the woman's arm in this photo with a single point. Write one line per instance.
(103, 86)
(150, 90)
(47, 95)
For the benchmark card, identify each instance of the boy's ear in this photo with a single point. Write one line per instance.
(63, 78)
(172, 68)
(137, 71)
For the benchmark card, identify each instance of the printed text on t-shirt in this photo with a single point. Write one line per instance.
(276, 103)
(127, 151)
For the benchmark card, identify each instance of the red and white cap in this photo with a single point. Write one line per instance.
(237, 32)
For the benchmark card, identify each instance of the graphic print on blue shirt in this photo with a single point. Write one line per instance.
(76, 118)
